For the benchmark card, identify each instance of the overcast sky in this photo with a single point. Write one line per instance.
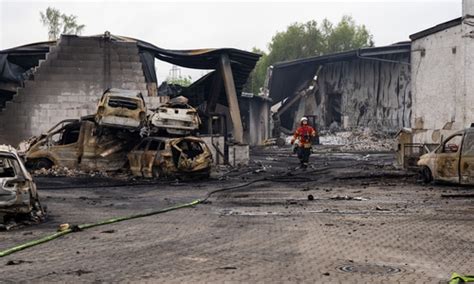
(189, 25)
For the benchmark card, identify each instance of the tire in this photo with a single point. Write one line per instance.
(426, 175)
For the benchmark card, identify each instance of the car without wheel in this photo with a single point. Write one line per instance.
(452, 161)
(163, 156)
(122, 109)
(18, 196)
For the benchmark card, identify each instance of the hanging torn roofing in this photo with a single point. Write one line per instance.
(15, 62)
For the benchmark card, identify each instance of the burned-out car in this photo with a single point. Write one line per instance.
(162, 156)
(18, 195)
(175, 117)
(452, 161)
(77, 143)
(121, 108)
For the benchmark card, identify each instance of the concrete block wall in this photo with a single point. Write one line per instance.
(68, 84)
(215, 144)
(239, 155)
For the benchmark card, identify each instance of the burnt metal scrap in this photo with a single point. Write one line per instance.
(121, 108)
(92, 143)
(109, 139)
(175, 117)
(80, 144)
(19, 201)
(162, 156)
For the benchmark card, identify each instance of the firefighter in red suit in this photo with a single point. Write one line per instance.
(304, 134)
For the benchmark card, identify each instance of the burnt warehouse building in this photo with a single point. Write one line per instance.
(367, 87)
(44, 83)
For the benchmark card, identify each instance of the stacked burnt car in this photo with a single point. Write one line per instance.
(169, 149)
(121, 133)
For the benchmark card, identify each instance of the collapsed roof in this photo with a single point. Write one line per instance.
(290, 76)
(15, 62)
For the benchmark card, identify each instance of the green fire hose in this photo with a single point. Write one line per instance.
(116, 220)
(87, 226)
(458, 279)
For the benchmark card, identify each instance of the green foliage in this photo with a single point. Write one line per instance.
(257, 76)
(59, 23)
(302, 40)
(183, 81)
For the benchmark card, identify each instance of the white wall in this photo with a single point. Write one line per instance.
(442, 83)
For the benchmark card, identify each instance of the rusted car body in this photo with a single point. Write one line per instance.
(452, 161)
(121, 108)
(161, 156)
(175, 117)
(78, 144)
(18, 195)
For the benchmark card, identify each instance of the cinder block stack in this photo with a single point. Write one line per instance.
(68, 84)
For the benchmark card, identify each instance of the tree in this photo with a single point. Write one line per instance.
(258, 74)
(302, 40)
(183, 81)
(59, 23)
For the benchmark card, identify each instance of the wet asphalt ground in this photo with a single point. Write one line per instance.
(349, 218)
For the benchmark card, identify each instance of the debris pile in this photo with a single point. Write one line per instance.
(358, 140)
(57, 171)
(346, 197)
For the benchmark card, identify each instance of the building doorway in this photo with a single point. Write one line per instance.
(333, 109)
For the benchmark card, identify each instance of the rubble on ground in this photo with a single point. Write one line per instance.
(56, 171)
(358, 140)
(363, 140)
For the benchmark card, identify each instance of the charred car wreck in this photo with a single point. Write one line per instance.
(77, 143)
(452, 161)
(176, 117)
(161, 156)
(121, 108)
(103, 142)
(19, 201)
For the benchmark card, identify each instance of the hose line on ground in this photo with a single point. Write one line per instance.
(285, 177)
(116, 220)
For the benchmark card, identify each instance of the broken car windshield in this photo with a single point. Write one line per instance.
(8, 167)
(118, 102)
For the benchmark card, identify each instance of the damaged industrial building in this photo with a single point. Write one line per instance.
(354, 166)
(43, 84)
(403, 85)
(367, 87)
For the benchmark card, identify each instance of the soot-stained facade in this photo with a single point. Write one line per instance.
(368, 87)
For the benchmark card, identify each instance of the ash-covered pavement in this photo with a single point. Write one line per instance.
(366, 222)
